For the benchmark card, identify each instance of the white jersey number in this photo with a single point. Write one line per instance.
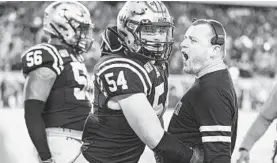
(80, 76)
(159, 90)
(34, 58)
(119, 82)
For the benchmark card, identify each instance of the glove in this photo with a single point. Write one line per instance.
(50, 160)
(243, 156)
(197, 156)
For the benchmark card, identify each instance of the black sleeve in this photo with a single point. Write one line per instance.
(36, 127)
(214, 114)
(170, 149)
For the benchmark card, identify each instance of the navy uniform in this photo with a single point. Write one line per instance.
(206, 117)
(118, 73)
(67, 105)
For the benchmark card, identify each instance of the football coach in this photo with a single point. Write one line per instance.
(206, 116)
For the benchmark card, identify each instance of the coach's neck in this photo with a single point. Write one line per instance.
(215, 65)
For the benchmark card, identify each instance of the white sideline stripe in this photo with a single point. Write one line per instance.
(125, 66)
(206, 139)
(40, 46)
(215, 128)
(132, 63)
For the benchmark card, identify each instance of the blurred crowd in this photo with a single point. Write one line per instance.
(251, 42)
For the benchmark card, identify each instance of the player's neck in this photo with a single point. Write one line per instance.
(57, 41)
(215, 65)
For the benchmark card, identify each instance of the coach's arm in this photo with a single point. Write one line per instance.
(260, 125)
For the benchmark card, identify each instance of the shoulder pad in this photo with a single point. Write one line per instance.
(111, 40)
(122, 76)
(42, 55)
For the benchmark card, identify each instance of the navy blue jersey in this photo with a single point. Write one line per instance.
(108, 136)
(206, 117)
(67, 104)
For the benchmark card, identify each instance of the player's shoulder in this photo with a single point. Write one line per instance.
(43, 48)
(42, 55)
(120, 62)
(124, 69)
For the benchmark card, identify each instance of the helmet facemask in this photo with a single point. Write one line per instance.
(154, 40)
(77, 35)
(147, 29)
(83, 38)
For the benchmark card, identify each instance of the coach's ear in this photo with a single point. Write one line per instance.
(215, 51)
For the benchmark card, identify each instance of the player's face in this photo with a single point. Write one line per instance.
(196, 48)
(156, 35)
(84, 35)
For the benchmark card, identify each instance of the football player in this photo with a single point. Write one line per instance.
(131, 88)
(56, 105)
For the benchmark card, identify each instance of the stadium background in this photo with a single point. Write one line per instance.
(251, 57)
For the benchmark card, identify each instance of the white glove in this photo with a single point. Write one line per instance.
(243, 156)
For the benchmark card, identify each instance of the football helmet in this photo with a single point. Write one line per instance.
(146, 28)
(70, 22)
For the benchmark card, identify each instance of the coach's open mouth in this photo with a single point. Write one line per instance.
(185, 55)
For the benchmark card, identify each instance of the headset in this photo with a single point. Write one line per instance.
(219, 38)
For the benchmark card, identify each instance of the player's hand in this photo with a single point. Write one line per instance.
(243, 156)
(197, 156)
(49, 161)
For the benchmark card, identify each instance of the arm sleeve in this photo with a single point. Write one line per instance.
(215, 117)
(262, 122)
(41, 55)
(122, 78)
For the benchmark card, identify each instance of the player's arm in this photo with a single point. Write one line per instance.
(37, 88)
(262, 122)
(41, 65)
(215, 115)
(127, 84)
(144, 121)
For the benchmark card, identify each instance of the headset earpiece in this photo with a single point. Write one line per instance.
(219, 38)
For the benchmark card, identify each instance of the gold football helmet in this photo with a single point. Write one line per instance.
(70, 22)
(147, 28)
